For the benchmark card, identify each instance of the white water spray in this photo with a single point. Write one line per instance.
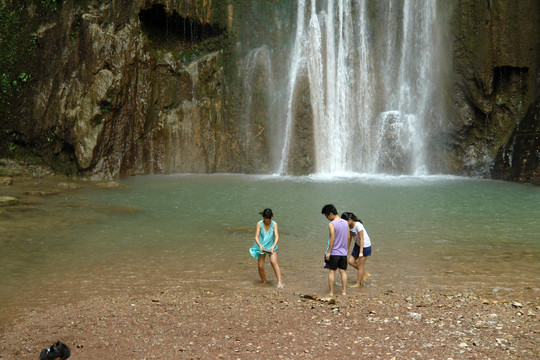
(371, 82)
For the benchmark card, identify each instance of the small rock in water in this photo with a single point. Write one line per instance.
(41, 192)
(8, 200)
(109, 185)
(6, 181)
(68, 186)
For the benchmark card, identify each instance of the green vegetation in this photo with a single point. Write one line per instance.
(19, 19)
(75, 29)
(17, 44)
(51, 4)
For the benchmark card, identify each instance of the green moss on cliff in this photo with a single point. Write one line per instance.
(15, 44)
(19, 21)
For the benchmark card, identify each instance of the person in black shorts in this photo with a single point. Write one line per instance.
(338, 246)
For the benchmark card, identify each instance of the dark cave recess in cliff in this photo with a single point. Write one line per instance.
(509, 76)
(165, 28)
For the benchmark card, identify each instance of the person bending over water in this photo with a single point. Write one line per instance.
(362, 247)
(338, 247)
(266, 243)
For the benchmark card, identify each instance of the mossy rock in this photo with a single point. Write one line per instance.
(8, 200)
(41, 192)
(6, 181)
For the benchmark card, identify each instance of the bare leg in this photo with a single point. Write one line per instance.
(343, 274)
(331, 278)
(261, 268)
(362, 272)
(273, 261)
(353, 261)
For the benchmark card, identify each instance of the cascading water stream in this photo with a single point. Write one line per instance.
(371, 83)
(297, 60)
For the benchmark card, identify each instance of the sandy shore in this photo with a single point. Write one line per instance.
(269, 324)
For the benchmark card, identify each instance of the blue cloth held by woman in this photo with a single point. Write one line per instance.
(266, 238)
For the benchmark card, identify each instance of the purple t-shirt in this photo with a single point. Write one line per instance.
(341, 234)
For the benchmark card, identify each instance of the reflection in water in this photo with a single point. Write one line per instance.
(157, 232)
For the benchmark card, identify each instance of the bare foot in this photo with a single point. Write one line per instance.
(344, 293)
(354, 285)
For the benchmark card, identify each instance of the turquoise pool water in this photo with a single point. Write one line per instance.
(436, 232)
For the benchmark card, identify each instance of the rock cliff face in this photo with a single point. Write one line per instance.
(131, 93)
(494, 126)
(137, 87)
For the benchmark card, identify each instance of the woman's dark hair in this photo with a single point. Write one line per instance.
(267, 213)
(350, 215)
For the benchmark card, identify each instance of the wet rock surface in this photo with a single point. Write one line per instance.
(491, 131)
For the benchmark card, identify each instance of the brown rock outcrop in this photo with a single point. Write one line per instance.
(497, 62)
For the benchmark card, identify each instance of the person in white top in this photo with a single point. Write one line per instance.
(362, 247)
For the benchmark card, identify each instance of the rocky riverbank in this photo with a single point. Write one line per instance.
(212, 323)
(10, 169)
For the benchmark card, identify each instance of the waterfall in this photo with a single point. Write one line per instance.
(373, 69)
(296, 63)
